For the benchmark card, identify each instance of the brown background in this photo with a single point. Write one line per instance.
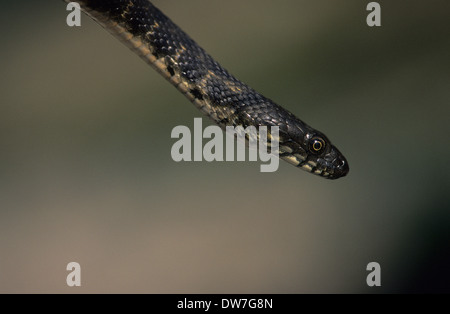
(86, 173)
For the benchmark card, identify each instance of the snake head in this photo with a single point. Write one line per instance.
(322, 157)
(312, 151)
(326, 160)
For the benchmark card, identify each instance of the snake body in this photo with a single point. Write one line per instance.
(212, 89)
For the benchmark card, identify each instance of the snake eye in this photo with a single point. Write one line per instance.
(316, 145)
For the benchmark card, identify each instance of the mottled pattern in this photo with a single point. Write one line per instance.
(225, 99)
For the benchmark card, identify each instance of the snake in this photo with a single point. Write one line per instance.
(211, 88)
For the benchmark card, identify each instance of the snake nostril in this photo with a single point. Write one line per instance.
(343, 166)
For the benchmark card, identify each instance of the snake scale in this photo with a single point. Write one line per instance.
(212, 89)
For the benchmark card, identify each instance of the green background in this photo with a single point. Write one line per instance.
(86, 174)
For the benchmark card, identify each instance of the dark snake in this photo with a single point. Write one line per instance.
(212, 89)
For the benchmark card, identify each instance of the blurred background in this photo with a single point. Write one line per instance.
(86, 174)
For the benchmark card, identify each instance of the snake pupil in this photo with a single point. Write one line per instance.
(317, 145)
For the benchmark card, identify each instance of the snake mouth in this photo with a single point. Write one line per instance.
(340, 168)
(331, 166)
(326, 171)
(334, 164)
